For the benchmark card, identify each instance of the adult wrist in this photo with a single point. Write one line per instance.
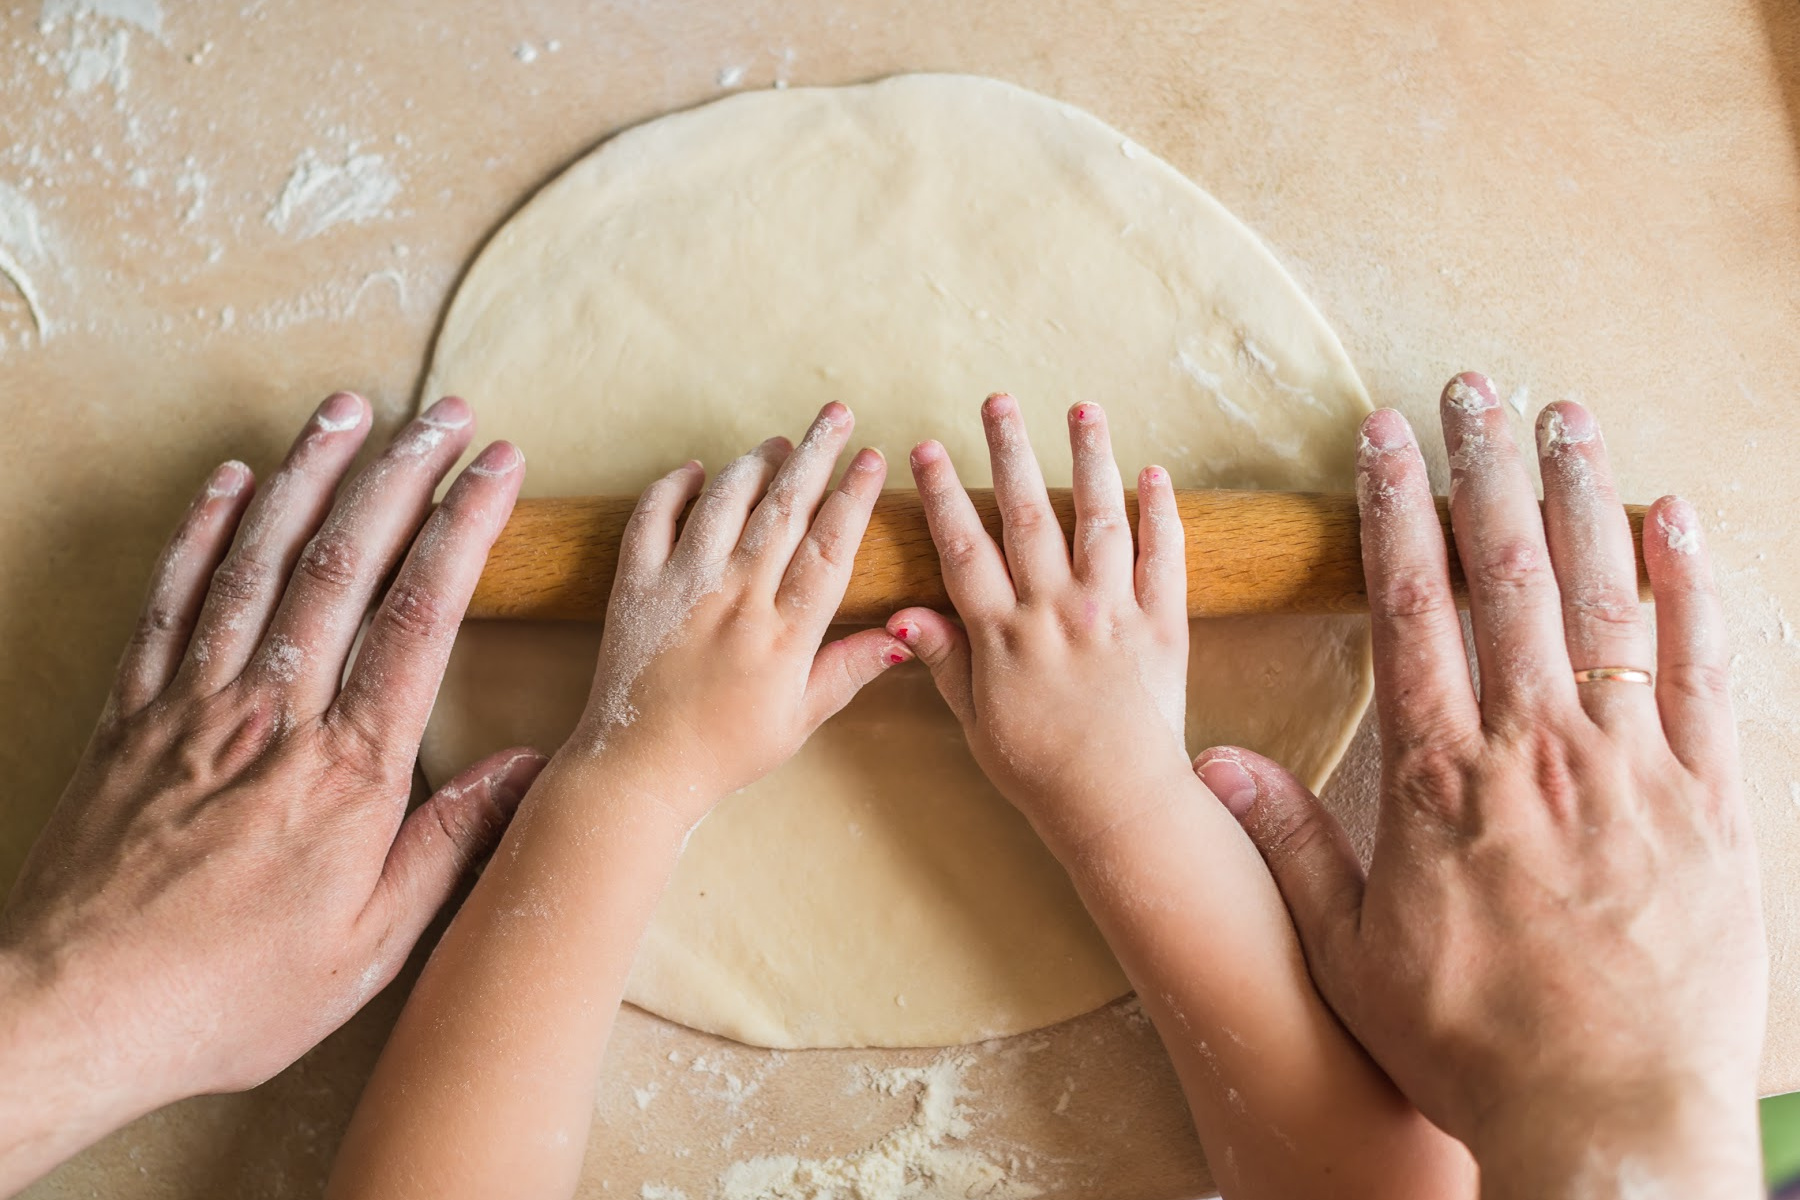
(1696, 1139)
(61, 1087)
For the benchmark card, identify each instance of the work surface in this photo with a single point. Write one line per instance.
(223, 212)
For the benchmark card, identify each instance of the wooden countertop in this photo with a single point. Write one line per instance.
(1579, 200)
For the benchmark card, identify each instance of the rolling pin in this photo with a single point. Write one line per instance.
(1247, 553)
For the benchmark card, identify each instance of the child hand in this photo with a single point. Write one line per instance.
(710, 671)
(1070, 681)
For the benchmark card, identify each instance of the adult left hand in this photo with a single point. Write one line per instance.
(231, 873)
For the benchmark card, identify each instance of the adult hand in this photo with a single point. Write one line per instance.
(231, 872)
(1557, 949)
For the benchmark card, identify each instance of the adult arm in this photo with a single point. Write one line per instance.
(1557, 949)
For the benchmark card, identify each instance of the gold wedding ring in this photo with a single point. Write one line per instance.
(1616, 674)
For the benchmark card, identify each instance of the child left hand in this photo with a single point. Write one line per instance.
(1070, 680)
(710, 671)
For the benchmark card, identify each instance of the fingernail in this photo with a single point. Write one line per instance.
(1383, 430)
(926, 452)
(999, 404)
(1563, 425)
(867, 459)
(1472, 392)
(896, 657)
(903, 631)
(452, 412)
(1231, 783)
(1679, 525)
(341, 411)
(1154, 475)
(501, 458)
(1086, 412)
(228, 479)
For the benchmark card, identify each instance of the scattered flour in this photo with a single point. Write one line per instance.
(525, 52)
(22, 246)
(319, 194)
(87, 63)
(1680, 538)
(1467, 398)
(145, 14)
(730, 77)
(914, 1160)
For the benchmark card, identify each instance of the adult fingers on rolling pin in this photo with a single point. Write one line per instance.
(711, 665)
(231, 872)
(1098, 637)
(1557, 949)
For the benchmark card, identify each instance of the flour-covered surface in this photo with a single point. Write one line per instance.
(1582, 202)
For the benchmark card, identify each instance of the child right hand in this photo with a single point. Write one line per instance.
(1070, 682)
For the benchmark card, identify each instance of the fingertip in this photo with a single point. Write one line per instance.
(450, 412)
(895, 653)
(517, 774)
(869, 459)
(1152, 479)
(1470, 392)
(927, 453)
(1383, 431)
(340, 412)
(1563, 424)
(496, 460)
(1676, 525)
(835, 412)
(1222, 769)
(997, 405)
(228, 479)
(913, 627)
(1085, 413)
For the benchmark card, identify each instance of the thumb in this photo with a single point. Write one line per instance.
(1306, 851)
(445, 836)
(943, 647)
(841, 669)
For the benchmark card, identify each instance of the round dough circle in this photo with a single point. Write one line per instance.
(908, 246)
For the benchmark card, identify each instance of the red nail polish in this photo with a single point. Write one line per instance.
(896, 658)
(903, 632)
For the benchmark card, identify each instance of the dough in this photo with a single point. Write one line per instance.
(907, 247)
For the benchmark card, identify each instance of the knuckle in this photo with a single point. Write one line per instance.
(781, 504)
(1608, 608)
(1023, 516)
(1431, 777)
(1510, 564)
(1292, 835)
(1701, 681)
(331, 560)
(158, 620)
(824, 546)
(1410, 592)
(243, 578)
(957, 552)
(416, 612)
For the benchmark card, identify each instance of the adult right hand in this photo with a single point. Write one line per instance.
(1557, 949)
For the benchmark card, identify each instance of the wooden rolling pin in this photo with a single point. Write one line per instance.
(1247, 552)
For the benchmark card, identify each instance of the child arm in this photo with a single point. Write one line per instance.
(710, 675)
(1070, 684)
